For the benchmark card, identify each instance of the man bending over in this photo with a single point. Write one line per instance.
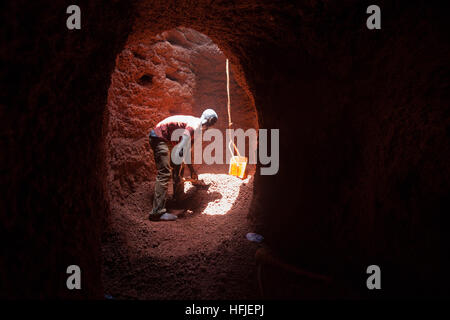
(159, 137)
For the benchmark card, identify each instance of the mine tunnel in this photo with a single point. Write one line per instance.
(179, 71)
(363, 176)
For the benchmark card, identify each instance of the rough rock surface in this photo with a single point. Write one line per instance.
(202, 255)
(179, 71)
(364, 173)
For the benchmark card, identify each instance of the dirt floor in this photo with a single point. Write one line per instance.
(202, 255)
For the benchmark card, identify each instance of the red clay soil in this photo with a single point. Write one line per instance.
(180, 71)
(202, 255)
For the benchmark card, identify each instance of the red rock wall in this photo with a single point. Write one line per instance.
(54, 85)
(179, 71)
(364, 174)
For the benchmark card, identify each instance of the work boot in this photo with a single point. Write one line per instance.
(163, 216)
(168, 217)
(154, 216)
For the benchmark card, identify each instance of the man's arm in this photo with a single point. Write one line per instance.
(181, 145)
(192, 171)
(179, 150)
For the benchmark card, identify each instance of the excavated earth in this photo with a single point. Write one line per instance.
(364, 144)
(204, 254)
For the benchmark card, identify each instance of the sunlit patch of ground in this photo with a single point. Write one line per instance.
(202, 255)
(224, 184)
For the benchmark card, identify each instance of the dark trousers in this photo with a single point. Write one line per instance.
(164, 166)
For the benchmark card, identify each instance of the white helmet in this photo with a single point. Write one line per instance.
(209, 117)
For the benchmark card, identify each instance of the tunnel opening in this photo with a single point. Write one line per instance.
(178, 71)
(366, 150)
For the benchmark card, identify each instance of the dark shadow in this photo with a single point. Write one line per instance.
(199, 256)
(196, 199)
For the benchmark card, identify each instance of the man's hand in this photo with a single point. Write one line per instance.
(192, 170)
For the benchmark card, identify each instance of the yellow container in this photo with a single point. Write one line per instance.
(238, 167)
